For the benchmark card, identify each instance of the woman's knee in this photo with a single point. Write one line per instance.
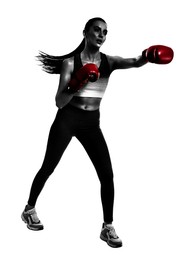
(106, 177)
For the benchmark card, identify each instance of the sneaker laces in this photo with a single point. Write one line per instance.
(33, 215)
(112, 231)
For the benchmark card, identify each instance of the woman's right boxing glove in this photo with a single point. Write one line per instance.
(88, 72)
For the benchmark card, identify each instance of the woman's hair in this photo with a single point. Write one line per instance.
(52, 64)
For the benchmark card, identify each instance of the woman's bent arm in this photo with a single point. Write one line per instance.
(62, 97)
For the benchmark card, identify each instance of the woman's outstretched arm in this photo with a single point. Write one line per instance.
(158, 54)
(117, 62)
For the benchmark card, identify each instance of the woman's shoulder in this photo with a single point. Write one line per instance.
(110, 57)
(111, 60)
(68, 64)
(68, 61)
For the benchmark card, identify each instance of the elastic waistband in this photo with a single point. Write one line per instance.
(81, 111)
(75, 114)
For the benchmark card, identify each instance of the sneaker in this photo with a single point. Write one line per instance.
(109, 235)
(31, 219)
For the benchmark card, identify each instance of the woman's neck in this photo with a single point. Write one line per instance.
(92, 55)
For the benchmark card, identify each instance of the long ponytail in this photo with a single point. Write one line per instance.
(52, 64)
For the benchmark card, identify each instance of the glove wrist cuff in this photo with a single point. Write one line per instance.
(144, 55)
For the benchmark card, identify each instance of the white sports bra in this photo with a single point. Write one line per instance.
(93, 89)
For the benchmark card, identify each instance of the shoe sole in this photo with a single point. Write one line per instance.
(31, 228)
(107, 241)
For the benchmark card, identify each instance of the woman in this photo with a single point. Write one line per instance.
(78, 115)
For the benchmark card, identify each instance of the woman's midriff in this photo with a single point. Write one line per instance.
(86, 103)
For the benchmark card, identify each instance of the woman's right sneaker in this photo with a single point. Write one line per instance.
(31, 219)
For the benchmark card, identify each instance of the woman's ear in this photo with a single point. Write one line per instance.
(84, 33)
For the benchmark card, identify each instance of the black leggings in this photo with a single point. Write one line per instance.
(84, 125)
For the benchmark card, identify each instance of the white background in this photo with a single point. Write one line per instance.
(145, 117)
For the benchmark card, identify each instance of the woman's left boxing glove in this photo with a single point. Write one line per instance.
(158, 54)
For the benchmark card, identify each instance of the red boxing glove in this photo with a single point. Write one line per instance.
(88, 72)
(158, 54)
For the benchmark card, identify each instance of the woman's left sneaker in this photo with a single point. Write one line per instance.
(109, 235)
(31, 219)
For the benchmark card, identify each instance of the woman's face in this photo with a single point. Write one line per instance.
(96, 35)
